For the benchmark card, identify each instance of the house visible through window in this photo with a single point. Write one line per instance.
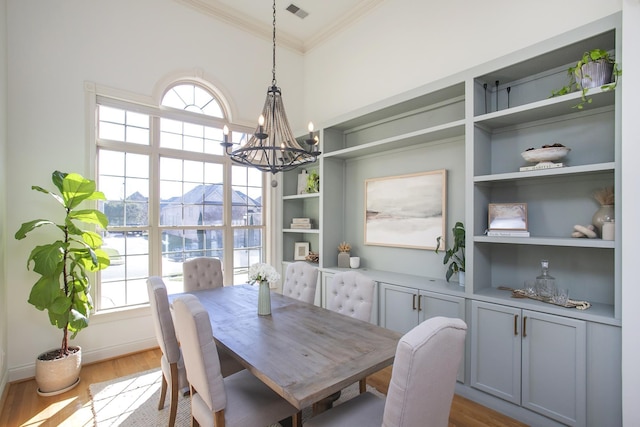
(172, 194)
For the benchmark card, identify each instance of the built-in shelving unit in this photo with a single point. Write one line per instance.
(476, 125)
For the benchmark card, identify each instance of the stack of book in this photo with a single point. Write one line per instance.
(302, 223)
(507, 233)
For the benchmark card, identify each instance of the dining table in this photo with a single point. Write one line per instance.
(303, 352)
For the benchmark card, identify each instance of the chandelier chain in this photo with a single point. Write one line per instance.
(273, 70)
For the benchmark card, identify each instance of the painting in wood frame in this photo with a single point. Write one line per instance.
(406, 211)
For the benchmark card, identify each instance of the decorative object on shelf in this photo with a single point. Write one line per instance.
(63, 266)
(272, 147)
(263, 274)
(354, 262)
(405, 211)
(508, 216)
(545, 283)
(301, 250)
(523, 293)
(609, 230)
(344, 254)
(301, 223)
(455, 255)
(544, 157)
(596, 68)
(313, 182)
(313, 257)
(581, 231)
(606, 212)
(302, 181)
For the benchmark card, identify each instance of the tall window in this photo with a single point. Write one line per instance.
(172, 194)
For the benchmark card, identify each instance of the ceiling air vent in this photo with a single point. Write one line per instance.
(297, 11)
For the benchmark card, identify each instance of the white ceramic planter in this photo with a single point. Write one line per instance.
(59, 375)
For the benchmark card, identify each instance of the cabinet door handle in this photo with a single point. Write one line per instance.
(524, 327)
(419, 303)
(414, 301)
(515, 325)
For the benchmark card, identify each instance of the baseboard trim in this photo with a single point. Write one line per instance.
(28, 371)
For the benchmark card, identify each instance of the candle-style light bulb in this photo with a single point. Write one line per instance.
(261, 120)
(225, 133)
(310, 127)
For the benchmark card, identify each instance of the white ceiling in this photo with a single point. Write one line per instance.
(325, 17)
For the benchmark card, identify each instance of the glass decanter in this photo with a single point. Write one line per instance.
(545, 283)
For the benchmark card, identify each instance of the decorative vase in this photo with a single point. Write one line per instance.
(58, 375)
(343, 259)
(604, 214)
(264, 299)
(594, 74)
(461, 278)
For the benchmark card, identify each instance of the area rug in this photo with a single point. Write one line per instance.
(133, 401)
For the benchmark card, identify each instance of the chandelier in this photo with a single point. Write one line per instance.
(272, 147)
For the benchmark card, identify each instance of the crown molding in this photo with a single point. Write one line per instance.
(230, 15)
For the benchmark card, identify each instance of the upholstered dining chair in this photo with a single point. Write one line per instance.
(173, 373)
(240, 399)
(300, 281)
(202, 273)
(422, 382)
(351, 293)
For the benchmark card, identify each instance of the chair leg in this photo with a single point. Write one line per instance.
(363, 385)
(163, 393)
(296, 419)
(174, 395)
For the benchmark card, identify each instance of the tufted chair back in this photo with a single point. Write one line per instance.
(351, 293)
(202, 273)
(300, 281)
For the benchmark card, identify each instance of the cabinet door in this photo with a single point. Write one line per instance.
(554, 367)
(495, 350)
(326, 278)
(433, 304)
(398, 307)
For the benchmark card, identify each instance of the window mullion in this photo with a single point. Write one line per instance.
(155, 234)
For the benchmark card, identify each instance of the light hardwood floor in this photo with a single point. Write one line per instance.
(22, 407)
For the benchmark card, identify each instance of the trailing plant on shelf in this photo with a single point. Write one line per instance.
(455, 255)
(581, 75)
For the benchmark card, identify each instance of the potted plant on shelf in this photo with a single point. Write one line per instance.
(63, 286)
(596, 68)
(455, 255)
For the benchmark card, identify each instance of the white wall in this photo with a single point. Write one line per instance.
(630, 209)
(404, 44)
(53, 48)
(3, 184)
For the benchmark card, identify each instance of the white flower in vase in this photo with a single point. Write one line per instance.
(260, 272)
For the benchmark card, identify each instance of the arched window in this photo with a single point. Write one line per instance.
(172, 193)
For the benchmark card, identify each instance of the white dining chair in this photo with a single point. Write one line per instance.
(300, 281)
(240, 399)
(422, 382)
(351, 293)
(173, 371)
(202, 273)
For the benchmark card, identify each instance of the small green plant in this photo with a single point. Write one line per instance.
(593, 55)
(63, 286)
(455, 255)
(313, 182)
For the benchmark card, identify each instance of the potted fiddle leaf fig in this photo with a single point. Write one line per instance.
(596, 68)
(63, 266)
(455, 255)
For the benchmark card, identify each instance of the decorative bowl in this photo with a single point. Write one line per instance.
(545, 155)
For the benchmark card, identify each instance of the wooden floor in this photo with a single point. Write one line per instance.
(23, 407)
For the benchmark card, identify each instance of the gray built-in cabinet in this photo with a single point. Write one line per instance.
(566, 369)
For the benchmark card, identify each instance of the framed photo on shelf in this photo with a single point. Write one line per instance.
(406, 211)
(508, 216)
(300, 251)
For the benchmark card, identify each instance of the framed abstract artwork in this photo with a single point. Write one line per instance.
(406, 211)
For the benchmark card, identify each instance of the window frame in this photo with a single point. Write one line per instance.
(96, 96)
